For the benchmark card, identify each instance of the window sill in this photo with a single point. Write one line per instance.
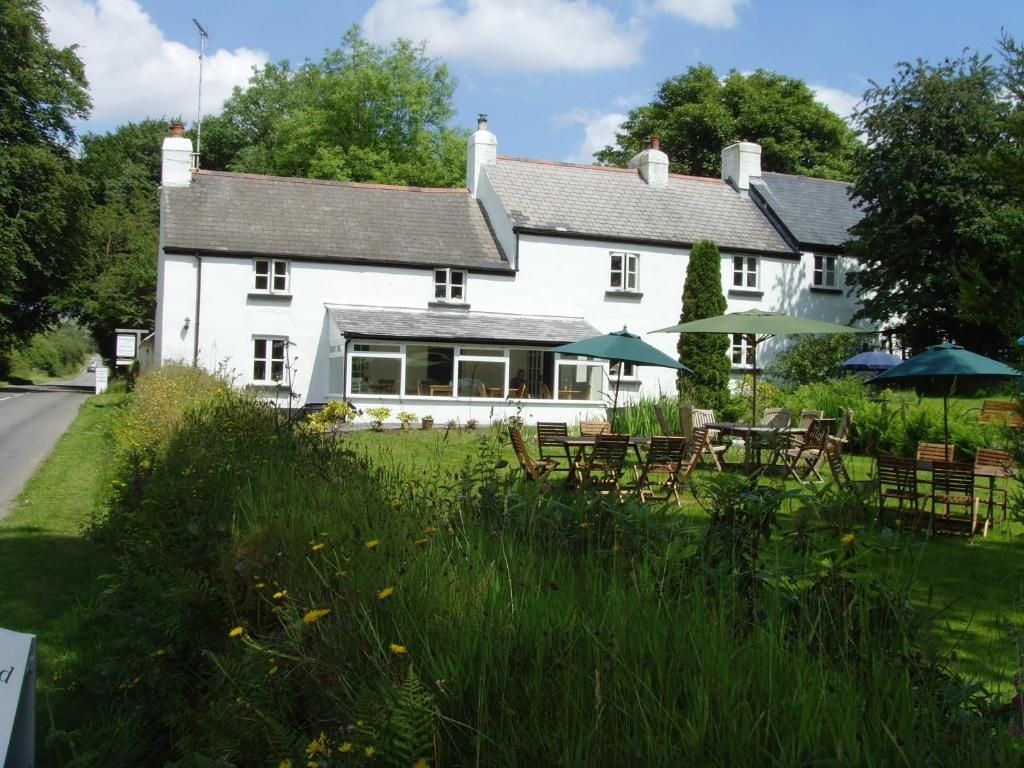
(439, 304)
(614, 293)
(282, 298)
(826, 289)
(268, 384)
(746, 293)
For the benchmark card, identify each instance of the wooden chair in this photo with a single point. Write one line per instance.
(701, 418)
(594, 428)
(538, 471)
(545, 392)
(835, 463)
(421, 386)
(1001, 412)
(953, 485)
(935, 452)
(777, 419)
(601, 469)
(807, 416)
(997, 466)
(518, 393)
(665, 456)
(897, 480)
(659, 414)
(547, 434)
(809, 451)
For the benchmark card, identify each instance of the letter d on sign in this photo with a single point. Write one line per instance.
(17, 699)
(5, 675)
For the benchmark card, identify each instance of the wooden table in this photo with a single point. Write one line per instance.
(581, 443)
(440, 389)
(495, 391)
(749, 432)
(992, 473)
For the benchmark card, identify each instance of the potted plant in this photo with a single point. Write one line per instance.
(427, 422)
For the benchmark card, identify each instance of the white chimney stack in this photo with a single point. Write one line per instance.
(652, 164)
(176, 158)
(483, 150)
(740, 162)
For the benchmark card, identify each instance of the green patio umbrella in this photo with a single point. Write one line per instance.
(621, 347)
(759, 325)
(943, 365)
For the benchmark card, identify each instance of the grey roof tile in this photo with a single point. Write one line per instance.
(817, 212)
(457, 325)
(617, 204)
(248, 214)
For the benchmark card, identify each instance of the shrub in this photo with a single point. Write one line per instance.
(406, 418)
(813, 358)
(704, 353)
(378, 416)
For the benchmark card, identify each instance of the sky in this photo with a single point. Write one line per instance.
(556, 77)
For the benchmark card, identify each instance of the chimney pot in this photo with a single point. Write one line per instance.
(482, 150)
(481, 122)
(655, 142)
(177, 128)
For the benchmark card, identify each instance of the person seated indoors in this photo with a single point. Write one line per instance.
(518, 383)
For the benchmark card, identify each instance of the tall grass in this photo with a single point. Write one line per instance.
(279, 598)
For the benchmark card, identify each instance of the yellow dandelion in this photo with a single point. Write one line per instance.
(285, 763)
(236, 632)
(429, 530)
(260, 585)
(318, 745)
(372, 543)
(345, 747)
(369, 751)
(421, 542)
(848, 539)
(385, 593)
(398, 649)
(280, 594)
(318, 547)
(316, 613)
(584, 525)
(421, 763)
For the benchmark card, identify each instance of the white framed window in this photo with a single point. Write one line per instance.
(376, 368)
(269, 355)
(481, 372)
(744, 271)
(623, 271)
(628, 370)
(270, 275)
(741, 351)
(825, 271)
(449, 284)
(579, 378)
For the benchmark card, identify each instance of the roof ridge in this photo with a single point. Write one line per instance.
(592, 167)
(803, 176)
(328, 182)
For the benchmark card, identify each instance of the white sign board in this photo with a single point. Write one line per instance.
(17, 699)
(102, 376)
(126, 345)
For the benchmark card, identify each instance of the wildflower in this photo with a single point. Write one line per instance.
(429, 530)
(345, 747)
(315, 614)
(421, 763)
(372, 543)
(385, 593)
(584, 525)
(318, 547)
(280, 594)
(260, 585)
(848, 539)
(236, 632)
(285, 763)
(398, 649)
(369, 751)
(421, 542)
(318, 746)
(159, 651)
(272, 671)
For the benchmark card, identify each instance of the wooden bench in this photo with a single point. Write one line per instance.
(1000, 412)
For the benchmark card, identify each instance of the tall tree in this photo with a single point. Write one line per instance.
(697, 113)
(930, 232)
(362, 113)
(43, 202)
(704, 353)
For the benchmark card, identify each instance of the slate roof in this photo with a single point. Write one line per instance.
(616, 204)
(817, 212)
(233, 213)
(457, 325)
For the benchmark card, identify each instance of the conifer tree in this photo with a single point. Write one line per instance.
(705, 353)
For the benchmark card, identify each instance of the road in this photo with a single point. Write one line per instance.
(32, 417)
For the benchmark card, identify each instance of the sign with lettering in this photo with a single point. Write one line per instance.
(102, 377)
(126, 345)
(17, 699)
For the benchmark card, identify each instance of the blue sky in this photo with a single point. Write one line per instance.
(555, 76)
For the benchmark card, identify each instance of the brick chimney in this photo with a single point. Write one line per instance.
(176, 158)
(740, 162)
(652, 164)
(483, 150)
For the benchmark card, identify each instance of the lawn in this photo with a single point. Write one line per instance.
(47, 567)
(970, 593)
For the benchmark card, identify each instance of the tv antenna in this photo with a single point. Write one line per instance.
(199, 120)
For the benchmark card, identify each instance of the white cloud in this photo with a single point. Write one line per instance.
(134, 71)
(511, 35)
(599, 129)
(708, 13)
(841, 102)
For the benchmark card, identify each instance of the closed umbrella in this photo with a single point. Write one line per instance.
(758, 325)
(870, 361)
(943, 365)
(621, 347)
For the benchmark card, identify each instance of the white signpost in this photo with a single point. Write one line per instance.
(17, 699)
(102, 376)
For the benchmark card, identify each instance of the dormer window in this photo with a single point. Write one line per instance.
(270, 275)
(623, 271)
(449, 284)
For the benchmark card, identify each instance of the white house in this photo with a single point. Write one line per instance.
(433, 300)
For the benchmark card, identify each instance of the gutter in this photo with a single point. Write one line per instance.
(199, 289)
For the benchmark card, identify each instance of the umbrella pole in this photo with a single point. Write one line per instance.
(615, 400)
(753, 397)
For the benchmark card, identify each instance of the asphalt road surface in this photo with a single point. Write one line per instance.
(32, 417)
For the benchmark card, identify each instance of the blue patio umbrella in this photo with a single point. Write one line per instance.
(1021, 341)
(875, 360)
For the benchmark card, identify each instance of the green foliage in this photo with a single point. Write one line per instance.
(362, 113)
(813, 358)
(704, 353)
(697, 114)
(739, 407)
(43, 201)
(59, 352)
(378, 416)
(335, 412)
(937, 246)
